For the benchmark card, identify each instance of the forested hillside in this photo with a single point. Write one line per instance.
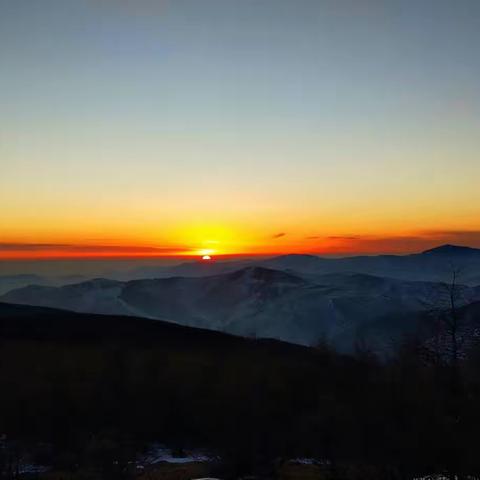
(97, 389)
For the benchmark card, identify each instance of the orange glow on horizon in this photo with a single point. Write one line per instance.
(222, 240)
(223, 243)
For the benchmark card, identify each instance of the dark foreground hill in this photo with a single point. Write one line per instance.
(50, 324)
(93, 390)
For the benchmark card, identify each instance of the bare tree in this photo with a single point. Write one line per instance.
(449, 328)
(452, 319)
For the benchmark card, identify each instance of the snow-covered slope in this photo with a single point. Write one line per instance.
(260, 302)
(94, 296)
(10, 282)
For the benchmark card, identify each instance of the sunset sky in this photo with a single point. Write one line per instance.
(145, 128)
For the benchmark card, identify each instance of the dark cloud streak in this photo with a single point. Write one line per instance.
(46, 247)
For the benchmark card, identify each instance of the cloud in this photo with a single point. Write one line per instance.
(30, 246)
(408, 243)
(45, 249)
(454, 235)
(340, 237)
(332, 237)
(278, 235)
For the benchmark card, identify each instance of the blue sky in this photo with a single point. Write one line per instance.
(316, 117)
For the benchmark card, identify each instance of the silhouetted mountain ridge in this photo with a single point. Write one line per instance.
(452, 250)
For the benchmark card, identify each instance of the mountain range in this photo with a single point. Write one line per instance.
(296, 298)
(431, 265)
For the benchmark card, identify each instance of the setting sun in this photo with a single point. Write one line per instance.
(206, 252)
(206, 257)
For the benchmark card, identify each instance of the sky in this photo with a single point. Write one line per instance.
(138, 128)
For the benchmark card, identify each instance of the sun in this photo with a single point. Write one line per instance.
(206, 253)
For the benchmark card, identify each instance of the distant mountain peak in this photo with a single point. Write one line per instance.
(263, 274)
(297, 255)
(449, 249)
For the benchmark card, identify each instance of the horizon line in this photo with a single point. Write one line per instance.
(129, 255)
